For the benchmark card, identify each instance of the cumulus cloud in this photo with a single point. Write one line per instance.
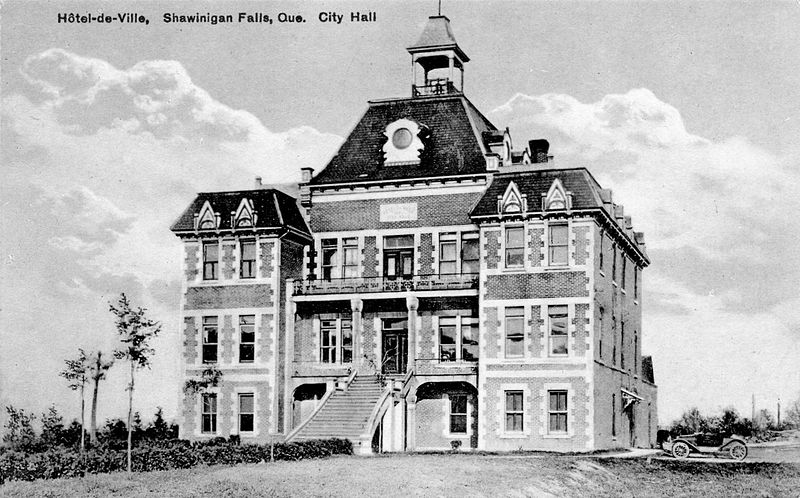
(714, 212)
(98, 163)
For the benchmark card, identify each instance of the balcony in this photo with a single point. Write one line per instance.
(440, 86)
(382, 284)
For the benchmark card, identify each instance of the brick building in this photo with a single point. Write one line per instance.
(433, 287)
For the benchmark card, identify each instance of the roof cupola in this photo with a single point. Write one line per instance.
(437, 53)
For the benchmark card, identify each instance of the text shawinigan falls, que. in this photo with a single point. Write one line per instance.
(260, 17)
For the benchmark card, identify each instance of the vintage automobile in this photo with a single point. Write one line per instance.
(709, 444)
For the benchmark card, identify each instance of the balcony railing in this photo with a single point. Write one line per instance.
(434, 87)
(382, 284)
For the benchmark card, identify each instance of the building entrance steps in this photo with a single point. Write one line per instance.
(345, 414)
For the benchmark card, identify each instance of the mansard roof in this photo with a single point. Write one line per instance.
(454, 145)
(272, 208)
(585, 192)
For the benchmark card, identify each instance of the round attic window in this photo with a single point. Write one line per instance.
(402, 138)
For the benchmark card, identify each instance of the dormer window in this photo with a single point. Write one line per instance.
(403, 142)
(207, 219)
(557, 198)
(513, 202)
(244, 217)
(402, 138)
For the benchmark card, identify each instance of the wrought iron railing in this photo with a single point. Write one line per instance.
(359, 285)
(440, 86)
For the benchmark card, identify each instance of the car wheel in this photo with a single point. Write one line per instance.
(680, 450)
(737, 451)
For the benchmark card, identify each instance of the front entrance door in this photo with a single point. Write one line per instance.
(395, 345)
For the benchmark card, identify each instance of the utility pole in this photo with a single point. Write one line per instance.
(779, 414)
(753, 411)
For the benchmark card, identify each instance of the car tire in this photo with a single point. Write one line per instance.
(680, 450)
(737, 451)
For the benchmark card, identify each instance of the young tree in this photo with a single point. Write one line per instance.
(159, 429)
(19, 429)
(793, 414)
(75, 373)
(135, 330)
(97, 371)
(53, 432)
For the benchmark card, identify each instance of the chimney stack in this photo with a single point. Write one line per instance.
(306, 174)
(538, 149)
(258, 183)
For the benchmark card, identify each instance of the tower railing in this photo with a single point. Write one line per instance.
(441, 86)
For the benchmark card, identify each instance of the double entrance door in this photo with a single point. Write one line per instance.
(395, 345)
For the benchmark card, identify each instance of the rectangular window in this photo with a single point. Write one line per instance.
(247, 260)
(458, 338)
(209, 414)
(469, 338)
(458, 413)
(600, 331)
(336, 340)
(447, 254)
(624, 270)
(470, 253)
(614, 340)
(614, 415)
(557, 412)
(614, 262)
(447, 338)
(622, 345)
(210, 260)
(398, 257)
(635, 352)
(246, 413)
(247, 338)
(514, 411)
(210, 339)
(328, 342)
(636, 282)
(515, 248)
(602, 244)
(515, 332)
(346, 326)
(350, 257)
(558, 330)
(330, 259)
(557, 240)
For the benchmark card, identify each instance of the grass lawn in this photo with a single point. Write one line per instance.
(441, 475)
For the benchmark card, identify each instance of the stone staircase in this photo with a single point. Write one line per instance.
(346, 413)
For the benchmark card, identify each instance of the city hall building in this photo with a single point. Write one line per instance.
(435, 286)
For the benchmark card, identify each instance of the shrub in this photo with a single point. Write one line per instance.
(158, 455)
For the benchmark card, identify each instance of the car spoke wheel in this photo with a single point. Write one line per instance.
(737, 451)
(680, 450)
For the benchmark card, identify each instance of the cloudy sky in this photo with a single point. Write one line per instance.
(688, 111)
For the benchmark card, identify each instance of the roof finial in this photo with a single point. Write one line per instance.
(440, 7)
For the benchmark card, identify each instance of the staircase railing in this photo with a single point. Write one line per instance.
(313, 414)
(386, 400)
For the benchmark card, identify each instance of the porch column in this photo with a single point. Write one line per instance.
(411, 423)
(450, 67)
(412, 303)
(357, 306)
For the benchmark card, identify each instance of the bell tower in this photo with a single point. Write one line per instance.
(437, 53)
